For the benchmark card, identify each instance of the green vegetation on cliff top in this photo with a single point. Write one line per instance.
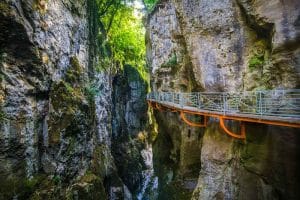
(122, 34)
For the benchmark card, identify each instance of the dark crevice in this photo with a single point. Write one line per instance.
(93, 19)
(188, 67)
(263, 29)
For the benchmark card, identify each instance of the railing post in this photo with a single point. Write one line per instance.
(197, 101)
(173, 97)
(224, 103)
(181, 99)
(260, 103)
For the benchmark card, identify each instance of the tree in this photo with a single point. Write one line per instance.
(122, 34)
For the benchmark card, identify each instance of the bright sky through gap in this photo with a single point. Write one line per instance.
(138, 8)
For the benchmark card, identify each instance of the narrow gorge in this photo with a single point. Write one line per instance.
(76, 121)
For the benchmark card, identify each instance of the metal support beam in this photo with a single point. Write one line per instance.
(274, 107)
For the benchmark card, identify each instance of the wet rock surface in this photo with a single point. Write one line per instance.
(55, 112)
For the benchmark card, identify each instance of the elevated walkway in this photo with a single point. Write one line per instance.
(273, 107)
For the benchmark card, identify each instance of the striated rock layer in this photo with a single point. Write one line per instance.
(55, 107)
(231, 45)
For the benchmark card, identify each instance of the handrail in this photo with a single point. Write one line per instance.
(281, 103)
(273, 107)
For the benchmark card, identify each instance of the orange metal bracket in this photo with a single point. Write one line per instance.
(152, 105)
(242, 135)
(163, 108)
(158, 107)
(183, 117)
(242, 119)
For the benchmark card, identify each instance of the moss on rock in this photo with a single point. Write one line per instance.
(68, 100)
(41, 6)
(172, 62)
(75, 71)
(88, 187)
(4, 8)
(22, 186)
(257, 59)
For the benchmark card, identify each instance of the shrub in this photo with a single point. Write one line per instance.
(256, 61)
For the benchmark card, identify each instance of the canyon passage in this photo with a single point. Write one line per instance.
(150, 99)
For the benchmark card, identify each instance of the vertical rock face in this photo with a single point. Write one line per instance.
(234, 38)
(224, 46)
(55, 112)
(131, 144)
(129, 125)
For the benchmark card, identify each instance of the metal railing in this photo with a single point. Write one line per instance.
(281, 103)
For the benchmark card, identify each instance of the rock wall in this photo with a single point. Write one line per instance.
(55, 113)
(131, 145)
(243, 45)
(224, 46)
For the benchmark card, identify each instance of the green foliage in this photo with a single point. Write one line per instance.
(56, 179)
(126, 38)
(150, 4)
(131, 73)
(256, 61)
(91, 91)
(74, 72)
(121, 36)
(65, 97)
(2, 115)
(103, 64)
(30, 184)
(258, 55)
(171, 62)
(66, 102)
(89, 177)
(24, 187)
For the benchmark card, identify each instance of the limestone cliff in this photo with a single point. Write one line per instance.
(231, 45)
(130, 126)
(56, 122)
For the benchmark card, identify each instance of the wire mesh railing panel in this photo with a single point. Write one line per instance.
(283, 103)
(190, 99)
(211, 101)
(232, 103)
(248, 103)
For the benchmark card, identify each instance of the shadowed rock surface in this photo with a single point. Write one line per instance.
(56, 108)
(72, 130)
